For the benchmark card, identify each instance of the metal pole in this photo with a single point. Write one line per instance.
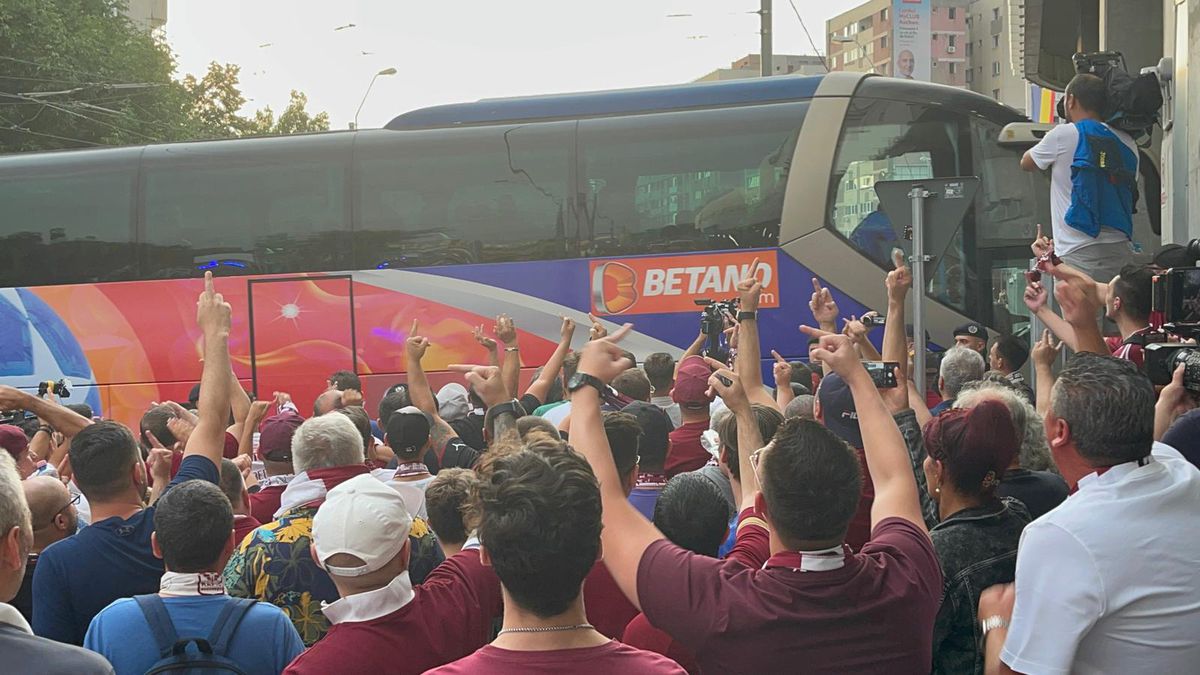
(918, 194)
(768, 60)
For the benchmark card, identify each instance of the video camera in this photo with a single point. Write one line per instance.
(61, 389)
(713, 324)
(1175, 310)
(1134, 101)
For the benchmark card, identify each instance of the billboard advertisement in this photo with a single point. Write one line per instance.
(911, 41)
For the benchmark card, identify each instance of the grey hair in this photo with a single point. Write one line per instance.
(802, 407)
(719, 415)
(326, 441)
(1108, 404)
(959, 366)
(1034, 452)
(14, 510)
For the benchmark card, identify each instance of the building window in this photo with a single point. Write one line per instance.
(995, 68)
(883, 13)
(953, 67)
(995, 14)
(996, 94)
(953, 12)
(969, 49)
(970, 75)
(883, 42)
(951, 37)
(995, 42)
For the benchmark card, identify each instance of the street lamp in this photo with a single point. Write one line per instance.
(846, 39)
(385, 71)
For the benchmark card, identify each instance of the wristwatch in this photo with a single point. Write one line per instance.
(512, 407)
(992, 623)
(747, 316)
(580, 380)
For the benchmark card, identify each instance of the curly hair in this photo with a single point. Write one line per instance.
(538, 510)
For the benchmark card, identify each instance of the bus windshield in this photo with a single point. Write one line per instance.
(979, 272)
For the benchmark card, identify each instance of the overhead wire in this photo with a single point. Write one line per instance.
(811, 43)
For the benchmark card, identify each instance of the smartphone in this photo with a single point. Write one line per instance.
(883, 373)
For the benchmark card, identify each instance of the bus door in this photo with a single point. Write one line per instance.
(301, 332)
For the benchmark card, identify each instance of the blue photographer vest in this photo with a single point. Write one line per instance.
(1103, 181)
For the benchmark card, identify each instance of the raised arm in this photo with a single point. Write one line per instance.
(1036, 300)
(63, 420)
(213, 315)
(730, 386)
(858, 334)
(898, 282)
(239, 403)
(1044, 352)
(1173, 401)
(748, 362)
(884, 447)
(510, 366)
(419, 391)
(540, 388)
(693, 349)
(487, 343)
(488, 382)
(1077, 298)
(782, 370)
(824, 308)
(254, 417)
(627, 533)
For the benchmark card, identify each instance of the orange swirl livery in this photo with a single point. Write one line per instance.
(659, 285)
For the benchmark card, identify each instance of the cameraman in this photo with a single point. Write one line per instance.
(1091, 203)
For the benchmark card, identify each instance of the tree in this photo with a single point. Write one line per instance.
(76, 73)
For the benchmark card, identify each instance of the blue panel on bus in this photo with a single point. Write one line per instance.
(617, 102)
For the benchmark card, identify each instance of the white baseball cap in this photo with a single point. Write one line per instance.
(364, 518)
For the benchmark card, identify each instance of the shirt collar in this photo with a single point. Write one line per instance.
(10, 616)
(372, 604)
(1113, 474)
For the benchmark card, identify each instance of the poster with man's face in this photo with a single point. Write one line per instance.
(911, 43)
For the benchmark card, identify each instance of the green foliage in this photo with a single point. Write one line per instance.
(76, 73)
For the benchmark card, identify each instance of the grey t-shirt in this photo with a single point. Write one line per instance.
(714, 474)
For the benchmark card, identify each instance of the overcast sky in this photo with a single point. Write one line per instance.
(461, 50)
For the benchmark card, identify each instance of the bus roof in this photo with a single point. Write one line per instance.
(613, 102)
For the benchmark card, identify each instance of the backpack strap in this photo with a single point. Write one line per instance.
(231, 615)
(161, 626)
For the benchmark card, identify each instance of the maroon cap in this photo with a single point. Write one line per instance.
(14, 441)
(275, 436)
(691, 383)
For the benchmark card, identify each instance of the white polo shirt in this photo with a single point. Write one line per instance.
(1109, 581)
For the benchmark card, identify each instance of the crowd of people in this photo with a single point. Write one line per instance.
(675, 517)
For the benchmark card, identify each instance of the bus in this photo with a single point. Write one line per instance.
(633, 205)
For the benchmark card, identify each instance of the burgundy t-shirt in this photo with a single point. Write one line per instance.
(242, 526)
(607, 607)
(641, 634)
(612, 658)
(873, 615)
(685, 452)
(449, 617)
(265, 502)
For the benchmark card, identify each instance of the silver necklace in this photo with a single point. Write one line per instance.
(547, 629)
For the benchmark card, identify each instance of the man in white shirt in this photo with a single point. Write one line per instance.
(1100, 256)
(1105, 582)
(660, 368)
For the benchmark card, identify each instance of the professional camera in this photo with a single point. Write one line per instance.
(1134, 101)
(61, 389)
(1164, 357)
(1175, 300)
(713, 324)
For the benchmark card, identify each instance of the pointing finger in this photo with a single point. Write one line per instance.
(620, 333)
(816, 285)
(208, 282)
(778, 358)
(415, 327)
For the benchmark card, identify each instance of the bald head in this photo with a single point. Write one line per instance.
(327, 402)
(50, 506)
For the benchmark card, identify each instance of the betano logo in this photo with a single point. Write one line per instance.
(675, 283)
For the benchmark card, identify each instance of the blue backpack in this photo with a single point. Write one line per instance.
(172, 650)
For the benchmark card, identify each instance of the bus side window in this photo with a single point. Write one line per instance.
(687, 181)
(458, 196)
(68, 225)
(245, 213)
